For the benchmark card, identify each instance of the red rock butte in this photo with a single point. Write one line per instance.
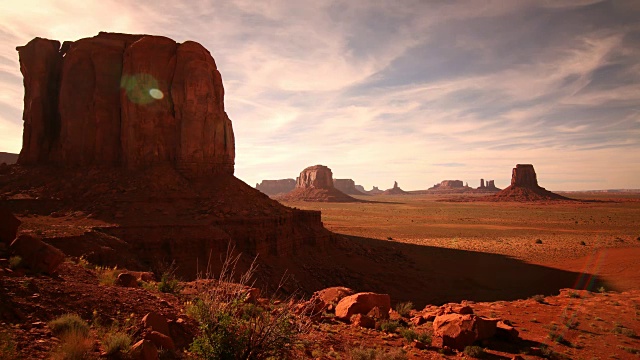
(124, 100)
(315, 183)
(130, 132)
(524, 187)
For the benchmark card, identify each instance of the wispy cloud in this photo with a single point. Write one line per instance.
(380, 92)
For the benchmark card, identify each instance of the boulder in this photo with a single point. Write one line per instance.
(160, 340)
(332, 296)
(127, 280)
(144, 350)
(8, 225)
(363, 321)
(156, 322)
(362, 303)
(459, 331)
(36, 254)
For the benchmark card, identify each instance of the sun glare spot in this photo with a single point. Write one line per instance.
(156, 94)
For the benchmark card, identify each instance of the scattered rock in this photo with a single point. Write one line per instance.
(160, 340)
(127, 280)
(156, 322)
(362, 303)
(8, 225)
(144, 350)
(36, 254)
(459, 331)
(363, 321)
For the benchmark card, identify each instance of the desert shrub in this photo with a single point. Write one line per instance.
(630, 350)
(404, 308)
(583, 243)
(411, 335)
(115, 342)
(107, 275)
(538, 298)
(168, 284)
(14, 262)
(74, 345)
(572, 324)
(538, 241)
(376, 354)
(474, 351)
(574, 295)
(620, 329)
(68, 323)
(602, 290)
(8, 350)
(389, 326)
(233, 329)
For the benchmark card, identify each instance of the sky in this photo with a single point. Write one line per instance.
(382, 91)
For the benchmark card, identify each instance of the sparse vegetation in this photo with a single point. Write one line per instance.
(583, 243)
(538, 298)
(572, 323)
(602, 290)
(404, 308)
(620, 329)
(474, 351)
(630, 350)
(107, 275)
(411, 335)
(233, 329)
(69, 323)
(74, 345)
(574, 295)
(8, 350)
(168, 284)
(375, 354)
(538, 241)
(14, 262)
(389, 326)
(116, 342)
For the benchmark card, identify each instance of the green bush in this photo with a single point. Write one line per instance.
(68, 323)
(474, 351)
(168, 284)
(411, 335)
(14, 262)
(115, 342)
(389, 326)
(232, 329)
(404, 308)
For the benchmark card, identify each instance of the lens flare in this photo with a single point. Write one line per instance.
(156, 94)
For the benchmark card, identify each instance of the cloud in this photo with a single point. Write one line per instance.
(381, 92)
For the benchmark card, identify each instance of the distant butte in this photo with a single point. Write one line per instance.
(348, 186)
(315, 183)
(395, 190)
(524, 187)
(276, 187)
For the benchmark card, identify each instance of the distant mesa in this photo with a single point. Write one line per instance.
(524, 187)
(395, 190)
(315, 183)
(448, 185)
(361, 189)
(348, 186)
(8, 158)
(375, 191)
(276, 187)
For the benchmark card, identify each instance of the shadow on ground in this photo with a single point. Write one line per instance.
(430, 275)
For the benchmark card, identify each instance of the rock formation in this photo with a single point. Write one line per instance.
(361, 189)
(395, 190)
(488, 186)
(347, 186)
(375, 191)
(276, 187)
(315, 183)
(136, 128)
(524, 187)
(448, 185)
(120, 100)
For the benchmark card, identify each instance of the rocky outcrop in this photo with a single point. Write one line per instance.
(363, 303)
(8, 225)
(315, 183)
(524, 187)
(375, 191)
(461, 330)
(347, 186)
(276, 187)
(361, 189)
(36, 254)
(119, 100)
(395, 190)
(488, 186)
(449, 186)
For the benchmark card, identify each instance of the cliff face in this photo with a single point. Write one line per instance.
(317, 176)
(124, 100)
(347, 186)
(524, 175)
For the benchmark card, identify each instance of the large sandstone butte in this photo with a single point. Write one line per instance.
(524, 187)
(315, 183)
(126, 136)
(347, 186)
(276, 187)
(124, 100)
